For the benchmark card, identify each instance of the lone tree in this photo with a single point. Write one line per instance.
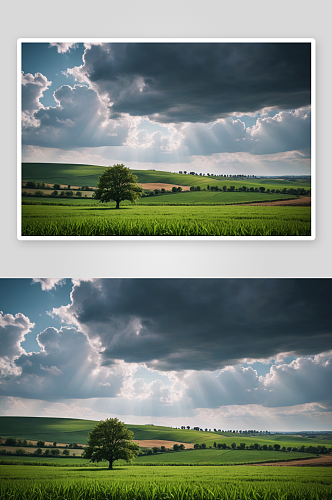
(117, 183)
(110, 440)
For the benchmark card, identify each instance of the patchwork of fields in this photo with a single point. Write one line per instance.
(201, 474)
(213, 210)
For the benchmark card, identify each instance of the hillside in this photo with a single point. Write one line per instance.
(79, 175)
(66, 430)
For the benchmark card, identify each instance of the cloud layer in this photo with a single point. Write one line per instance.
(172, 102)
(175, 347)
(197, 82)
(177, 324)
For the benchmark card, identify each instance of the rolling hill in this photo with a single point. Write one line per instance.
(66, 430)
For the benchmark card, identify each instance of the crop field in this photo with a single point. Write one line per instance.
(185, 198)
(211, 198)
(165, 483)
(137, 220)
(219, 457)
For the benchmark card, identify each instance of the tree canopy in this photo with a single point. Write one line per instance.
(110, 440)
(117, 183)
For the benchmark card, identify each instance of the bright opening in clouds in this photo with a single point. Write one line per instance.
(224, 353)
(210, 107)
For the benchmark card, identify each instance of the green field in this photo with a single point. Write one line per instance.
(138, 220)
(184, 475)
(187, 457)
(192, 213)
(184, 198)
(165, 483)
(212, 198)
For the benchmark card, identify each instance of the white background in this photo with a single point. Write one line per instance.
(160, 18)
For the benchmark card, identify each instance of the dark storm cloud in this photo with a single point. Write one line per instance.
(197, 82)
(202, 324)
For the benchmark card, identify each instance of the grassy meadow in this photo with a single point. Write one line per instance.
(165, 483)
(162, 220)
(202, 474)
(205, 212)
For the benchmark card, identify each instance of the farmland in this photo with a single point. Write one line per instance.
(209, 473)
(76, 220)
(133, 482)
(214, 205)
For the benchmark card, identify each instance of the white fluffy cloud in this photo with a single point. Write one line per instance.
(13, 330)
(65, 367)
(286, 131)
(33, 88)
(48, 283)
(63, 47)
(304, 380)
(80, 119)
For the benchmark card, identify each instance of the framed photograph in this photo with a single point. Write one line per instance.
(166, 139)
(193, 378)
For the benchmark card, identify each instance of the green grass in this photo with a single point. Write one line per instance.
(188, 457)
(212, 198)
(44, 220)
(219, 457)
(79, 175)
(165, 483)
(184, 198)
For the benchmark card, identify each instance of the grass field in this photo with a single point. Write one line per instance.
(137, 220)
(185, 198)
(165, 483)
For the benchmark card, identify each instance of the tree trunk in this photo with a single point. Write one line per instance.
(117, 204)
(110, 465)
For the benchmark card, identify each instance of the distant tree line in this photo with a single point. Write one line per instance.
(49, 450)
(265, 447)
(237, 176)
(66, 192)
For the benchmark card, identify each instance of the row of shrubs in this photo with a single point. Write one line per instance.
(40, 444)
(55, 194)
(275, 447)
(232, 189)
(241, 446)
(42, 185)
(261, 189)
(162, 449)
(54, 452)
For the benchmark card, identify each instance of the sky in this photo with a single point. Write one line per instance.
(215, 353)
(223, 108)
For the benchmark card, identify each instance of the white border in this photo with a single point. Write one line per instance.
(312, 41)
